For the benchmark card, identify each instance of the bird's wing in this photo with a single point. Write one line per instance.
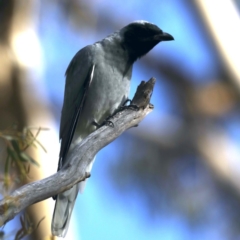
(79, 75)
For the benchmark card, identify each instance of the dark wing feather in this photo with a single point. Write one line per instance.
(78, 78)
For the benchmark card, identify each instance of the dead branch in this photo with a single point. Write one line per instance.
(79, 157)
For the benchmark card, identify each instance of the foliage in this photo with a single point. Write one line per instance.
(17, 159)
(17, 143)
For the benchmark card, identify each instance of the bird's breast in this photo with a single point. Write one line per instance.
(108, 90)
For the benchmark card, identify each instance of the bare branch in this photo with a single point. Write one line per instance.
(79, 157)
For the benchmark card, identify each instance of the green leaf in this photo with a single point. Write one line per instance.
(25, 157)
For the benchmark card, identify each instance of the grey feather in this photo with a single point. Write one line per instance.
(97, 84)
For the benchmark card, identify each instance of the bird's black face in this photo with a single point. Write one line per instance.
(140, 37)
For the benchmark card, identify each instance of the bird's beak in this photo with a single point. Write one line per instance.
(164, 37)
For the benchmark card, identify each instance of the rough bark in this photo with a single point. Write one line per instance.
(79, 157)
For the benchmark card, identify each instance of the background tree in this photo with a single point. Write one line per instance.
(21, 100)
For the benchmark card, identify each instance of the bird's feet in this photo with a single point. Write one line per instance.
(106, 122)
(133, 107)
(125, 103)
(130, 106)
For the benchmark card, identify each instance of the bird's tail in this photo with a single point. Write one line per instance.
(64, 205)
(62, 212)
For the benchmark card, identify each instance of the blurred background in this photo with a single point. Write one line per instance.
(177, 175)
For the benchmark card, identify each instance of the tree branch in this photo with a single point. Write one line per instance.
(78, 158)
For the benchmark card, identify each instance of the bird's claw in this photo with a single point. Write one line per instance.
(109, 123)
(125, 103)
(133, 107)
(106, 122)
(94, 123)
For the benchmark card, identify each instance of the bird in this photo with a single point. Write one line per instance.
(97, 85)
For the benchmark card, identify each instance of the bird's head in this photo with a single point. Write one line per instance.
(140, 37)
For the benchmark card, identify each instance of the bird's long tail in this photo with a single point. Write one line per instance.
(64, 205)
(62, 212)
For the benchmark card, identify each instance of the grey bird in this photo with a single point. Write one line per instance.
(97, 84)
